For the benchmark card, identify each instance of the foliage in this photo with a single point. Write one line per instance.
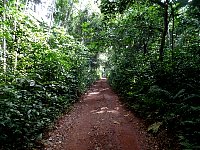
(63, 13)
(154, 53)
(46, 71)
(166, 92)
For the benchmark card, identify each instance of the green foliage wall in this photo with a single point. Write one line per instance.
(46, 71)
(166, 93)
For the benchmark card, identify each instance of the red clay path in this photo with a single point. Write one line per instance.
(99, 122)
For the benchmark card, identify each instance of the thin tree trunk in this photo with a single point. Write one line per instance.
(4, 38)
(26, 5)
(164, 33)
(172, 36)
(16, 40)
(68, 14)
(51, 17)
(145, 42)
(145, 48)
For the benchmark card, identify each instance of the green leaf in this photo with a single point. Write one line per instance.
(154, 127)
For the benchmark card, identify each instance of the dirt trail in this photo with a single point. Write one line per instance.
(99, 122)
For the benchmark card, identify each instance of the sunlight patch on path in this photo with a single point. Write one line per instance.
(93, 93)
(106, 110)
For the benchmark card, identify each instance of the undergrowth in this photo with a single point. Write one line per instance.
(167, 98)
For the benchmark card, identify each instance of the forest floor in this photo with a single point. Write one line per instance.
(99, 121)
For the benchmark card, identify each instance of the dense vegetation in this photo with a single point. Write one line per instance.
(43, 71)
(153, 49)
(154, 63)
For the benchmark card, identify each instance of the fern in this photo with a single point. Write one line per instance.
(158, 93)
(179, 94)
(193, 98)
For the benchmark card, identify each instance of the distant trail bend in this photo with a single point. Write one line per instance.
(99, 122)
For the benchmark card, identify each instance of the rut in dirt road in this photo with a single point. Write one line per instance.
(99, 122)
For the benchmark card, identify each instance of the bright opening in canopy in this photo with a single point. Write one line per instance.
(92, 5)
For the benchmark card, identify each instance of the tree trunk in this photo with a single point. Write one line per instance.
(145, 43)
(26, 5)
(4, 38)
(16, 40)
(164, 33)
(53, 5)
(172, 36)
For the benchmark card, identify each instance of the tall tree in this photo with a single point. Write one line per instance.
(4, 37)
(64, 10)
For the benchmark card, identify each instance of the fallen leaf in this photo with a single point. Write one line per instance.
(155, 127)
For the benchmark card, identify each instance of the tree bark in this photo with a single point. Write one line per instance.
(172, 36)
(4, 38)
(164, 33)
(16, 39)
